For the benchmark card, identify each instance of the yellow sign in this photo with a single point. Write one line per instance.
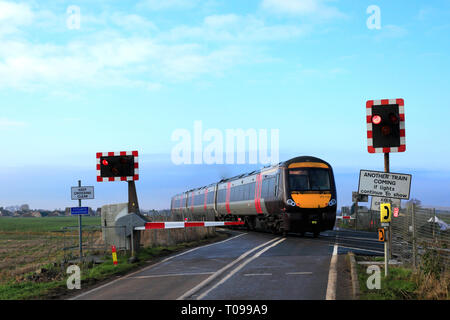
(385, 212)
(381, 236)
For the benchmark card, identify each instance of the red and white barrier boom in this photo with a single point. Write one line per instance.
(182, 224)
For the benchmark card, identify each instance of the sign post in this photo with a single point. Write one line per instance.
(385, 218)
(79, 193)
(80, 226)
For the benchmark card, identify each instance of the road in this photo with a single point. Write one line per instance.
(249, 266)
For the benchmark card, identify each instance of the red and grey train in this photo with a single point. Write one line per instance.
(298, 195)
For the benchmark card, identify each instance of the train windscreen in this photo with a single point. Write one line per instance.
(309, 179)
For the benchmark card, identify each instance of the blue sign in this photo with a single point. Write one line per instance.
(79, 210)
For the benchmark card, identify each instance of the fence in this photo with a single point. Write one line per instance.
(419, 235)
(93, 241)
(363, 220)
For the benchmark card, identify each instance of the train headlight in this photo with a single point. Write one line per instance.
(332, 202)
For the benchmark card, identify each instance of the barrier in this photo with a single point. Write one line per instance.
(182, 224)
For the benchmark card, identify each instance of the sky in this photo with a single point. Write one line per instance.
(80, 77)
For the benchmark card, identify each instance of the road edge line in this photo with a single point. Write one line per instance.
(332, 275)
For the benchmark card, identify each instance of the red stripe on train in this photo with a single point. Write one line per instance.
(227, 204)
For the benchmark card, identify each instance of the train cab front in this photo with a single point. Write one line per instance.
(311, 197)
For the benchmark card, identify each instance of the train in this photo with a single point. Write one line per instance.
(294, 196)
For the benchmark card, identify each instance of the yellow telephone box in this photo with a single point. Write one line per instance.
(385, 212)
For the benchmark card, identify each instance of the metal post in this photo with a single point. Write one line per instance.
(434, 225)
(386, 162)
(386, 169)
(133, 207)
(413, 222)
(386, 255)
(80, 228)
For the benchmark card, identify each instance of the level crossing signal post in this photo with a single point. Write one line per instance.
(121, 166)
(385, 134)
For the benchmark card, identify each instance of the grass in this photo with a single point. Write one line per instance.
(404, 284)
(45, 224)
(398, 285)
(52, 283)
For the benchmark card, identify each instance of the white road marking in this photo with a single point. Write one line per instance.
(239, 268)
(332, 276)
(153, 265)
(257, 274)
(171, 275)
(217, 273)
(299, 272)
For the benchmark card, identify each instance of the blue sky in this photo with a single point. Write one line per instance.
(134, 72)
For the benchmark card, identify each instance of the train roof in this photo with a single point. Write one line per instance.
(304, 159)
(280, 164)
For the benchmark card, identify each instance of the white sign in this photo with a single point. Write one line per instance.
(376, 201)
(384, 184)
(81, 193)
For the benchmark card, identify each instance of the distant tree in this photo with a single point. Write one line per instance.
(25, 207)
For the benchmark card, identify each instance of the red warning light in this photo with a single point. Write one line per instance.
(393, 118)
(386, 130)
(376, 119)
(105, 162)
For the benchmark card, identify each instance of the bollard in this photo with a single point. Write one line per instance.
(114, 255)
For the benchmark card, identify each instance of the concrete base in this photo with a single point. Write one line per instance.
(114, 235)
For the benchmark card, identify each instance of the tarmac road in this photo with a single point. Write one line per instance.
(248, 266)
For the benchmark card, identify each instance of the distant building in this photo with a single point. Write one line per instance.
(36, 214)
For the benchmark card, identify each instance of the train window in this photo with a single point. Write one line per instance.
(232, 193)
(210, 198)
(246, 193)
(268, 188)
(252, 191)
(240, 196)
(264, 188)
(319, 179)
(198, 200)
(221, 195)
(309, 179)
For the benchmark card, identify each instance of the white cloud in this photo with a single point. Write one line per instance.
(236, 29)
(167, 4)
(14, 15)
(120, 49)
(316, 8)
(221, 20)
(7, 123)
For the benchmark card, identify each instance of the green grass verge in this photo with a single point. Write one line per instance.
(44, 224)
(398, 285)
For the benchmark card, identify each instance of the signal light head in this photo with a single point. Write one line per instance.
(385, 130)
(376, 119)
(393, 118)
(105, 162)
